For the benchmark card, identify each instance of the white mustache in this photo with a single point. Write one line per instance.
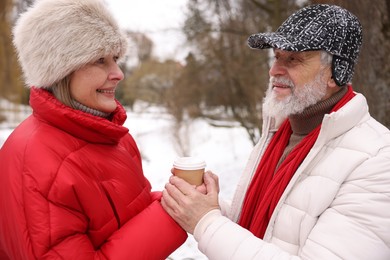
(282, 80)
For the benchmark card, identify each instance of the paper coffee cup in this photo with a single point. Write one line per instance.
(191, 169)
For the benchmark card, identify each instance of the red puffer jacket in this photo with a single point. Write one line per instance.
(72, 187)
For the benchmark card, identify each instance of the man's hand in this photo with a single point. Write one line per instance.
(187, 204)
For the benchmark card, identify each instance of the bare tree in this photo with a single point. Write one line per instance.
(149, 81)
(143, 45)
(223, 71)
(11, 84)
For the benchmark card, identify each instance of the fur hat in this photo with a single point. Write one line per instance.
(319, 27)
(56, 37)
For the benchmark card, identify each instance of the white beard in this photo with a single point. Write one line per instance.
(300, 98)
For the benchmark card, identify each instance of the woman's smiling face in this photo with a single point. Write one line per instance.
(94, 84)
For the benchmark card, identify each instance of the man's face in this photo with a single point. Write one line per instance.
(297, 81)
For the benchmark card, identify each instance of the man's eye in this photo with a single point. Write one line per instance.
(295, 59)
(291, 59)
(100, 61)
(116, 58)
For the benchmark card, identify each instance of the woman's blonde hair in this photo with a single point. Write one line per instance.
(61, 90)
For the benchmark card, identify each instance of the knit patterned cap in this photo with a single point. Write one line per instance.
(53, 38)
(319, 27)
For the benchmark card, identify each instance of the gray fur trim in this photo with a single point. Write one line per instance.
(53, 38)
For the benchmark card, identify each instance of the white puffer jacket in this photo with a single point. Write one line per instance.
(336, 206)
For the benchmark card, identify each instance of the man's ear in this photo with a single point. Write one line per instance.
(331, 83)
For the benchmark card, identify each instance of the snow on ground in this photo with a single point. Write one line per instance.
(225, 151)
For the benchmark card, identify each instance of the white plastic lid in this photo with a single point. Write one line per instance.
(189, 163)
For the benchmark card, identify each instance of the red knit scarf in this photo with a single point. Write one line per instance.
(267, 185)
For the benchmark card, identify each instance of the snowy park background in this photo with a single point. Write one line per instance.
(225, 150)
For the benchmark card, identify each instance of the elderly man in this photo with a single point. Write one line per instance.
(317, 185)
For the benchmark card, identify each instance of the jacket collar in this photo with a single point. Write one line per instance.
(82, 125)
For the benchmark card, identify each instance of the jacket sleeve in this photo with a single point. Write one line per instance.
(220, 238)
(152, 234)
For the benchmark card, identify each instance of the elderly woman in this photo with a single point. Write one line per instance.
(72, 185)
